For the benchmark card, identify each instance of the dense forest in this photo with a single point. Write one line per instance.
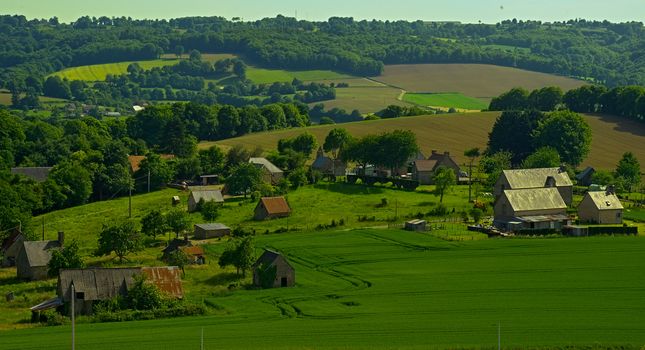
(609, 53)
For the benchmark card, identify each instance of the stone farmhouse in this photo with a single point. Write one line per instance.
(535, 178)
(601, 207)
(269, 261)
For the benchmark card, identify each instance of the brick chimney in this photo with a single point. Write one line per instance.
(434, 151)
(610, 190)
(550, 181)
(446, 153)
(61, 238)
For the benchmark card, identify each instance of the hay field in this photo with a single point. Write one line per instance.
(367, 99)
(98, 72)
(267, 76)
(612, 136)
(475, 80)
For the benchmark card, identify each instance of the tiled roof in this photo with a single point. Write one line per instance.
(275, 205)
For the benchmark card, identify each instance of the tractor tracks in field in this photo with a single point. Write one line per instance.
(401, 94)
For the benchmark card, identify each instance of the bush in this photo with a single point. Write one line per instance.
(210, 210)
(440, 210)
(477, 214)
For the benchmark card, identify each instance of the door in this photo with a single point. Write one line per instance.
(283, 282)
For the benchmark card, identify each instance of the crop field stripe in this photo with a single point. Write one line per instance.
(366, 289)
(445, 99)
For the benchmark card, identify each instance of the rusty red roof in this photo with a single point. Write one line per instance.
(193, 250)
(166, 278)
(275, 205)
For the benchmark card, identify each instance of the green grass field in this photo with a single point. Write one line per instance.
(392, 289)
(448, 100)
(98, 72)
(367, 99)
(267, 76)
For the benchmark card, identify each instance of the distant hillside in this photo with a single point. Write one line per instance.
(612, 136)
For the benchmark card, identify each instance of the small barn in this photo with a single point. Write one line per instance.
(32, 260)
(272, 270)
(271, 208)
(96, 284)
(203, 195)
(601, 207)
(415, 225)
(211, 230)
(11, 247)
(38, 174)
(195, 254)
(270, 173)
(584, 178)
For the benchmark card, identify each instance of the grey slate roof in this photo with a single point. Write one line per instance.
(425, 164)
(535, 199)
(584, 173)
(268, 257)
(604, 201)
(212, 226)
(39, 174)
(39, 252)
(258, 161)
(535, 178)
(208, 196)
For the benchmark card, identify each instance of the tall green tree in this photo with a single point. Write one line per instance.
(544, 157)
(153, 224)
(178, 221)
(336, 139)
(66, 258)
(472, 154)
(122, 239)
(244, 178)
(241, 254)
(628, 171)
(444, 178)
(513, 132)
(568, 133)
(514, 99)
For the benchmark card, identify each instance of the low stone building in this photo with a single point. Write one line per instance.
(530, 209)
(585, 177)
(601, 207)
(423, 171)
(32, 260)
(535, 178)
(328, 166)
(96, 284)
(271, 208)
(205, 196)
(211, 230)
(270, 173)
(272, 270)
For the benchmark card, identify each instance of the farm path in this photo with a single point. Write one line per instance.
(403, 91)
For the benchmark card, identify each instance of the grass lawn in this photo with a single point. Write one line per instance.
(392, 289)
(98, 72)
(449, 100)
(267, 76)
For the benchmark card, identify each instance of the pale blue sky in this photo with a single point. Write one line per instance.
(488, 11)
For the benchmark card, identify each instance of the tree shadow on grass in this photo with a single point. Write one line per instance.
(10, 280)
(223, 279)
(344, 188)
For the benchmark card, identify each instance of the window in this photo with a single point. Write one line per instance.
(80, 295)
(618, 215)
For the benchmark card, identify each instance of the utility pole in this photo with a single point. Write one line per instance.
(148, 180)
(130, 202)
(201, 345)
(499, 335)
(43, 228)
(73, 296)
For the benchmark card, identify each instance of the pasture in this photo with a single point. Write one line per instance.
(392, 289)
(367, 99)
(98, 72)
(5, 98)
(612, 136)
(480, 81)
(447, 100)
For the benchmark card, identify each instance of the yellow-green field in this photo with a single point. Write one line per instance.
(5, 98)
(480, 81)
(367, 99)
(98, 72)
(612, 136)
(448, 100)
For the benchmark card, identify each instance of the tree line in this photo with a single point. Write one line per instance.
(624, 101)
(601, 51)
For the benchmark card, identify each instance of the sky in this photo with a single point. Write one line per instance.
(469, 11)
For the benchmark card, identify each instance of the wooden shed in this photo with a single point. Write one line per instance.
(272, 207)
(601, 207)
(272, 270)
(32, 260)
(270, 172)
(211, 230)
(204, 195)
(416, 225)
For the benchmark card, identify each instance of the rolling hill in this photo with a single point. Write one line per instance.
(612, 136)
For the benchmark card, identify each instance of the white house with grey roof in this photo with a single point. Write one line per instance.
(270, 173)
(535, 178)
(601, 207)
